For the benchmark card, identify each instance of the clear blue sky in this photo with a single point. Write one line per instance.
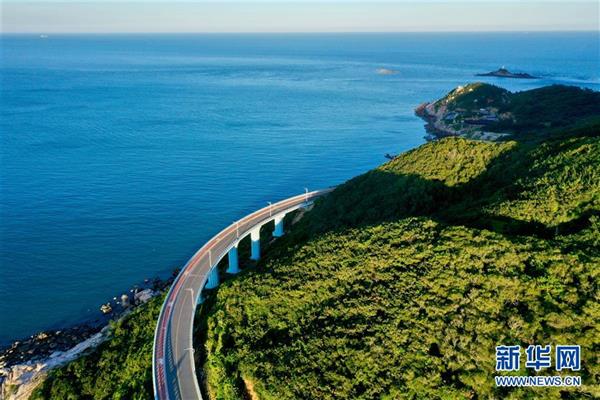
(47, 16)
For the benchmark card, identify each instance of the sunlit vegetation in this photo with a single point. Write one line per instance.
(474, 96)
(401, 283)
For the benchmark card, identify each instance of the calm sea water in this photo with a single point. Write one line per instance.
(121, 155)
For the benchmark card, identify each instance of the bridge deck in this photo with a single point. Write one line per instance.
(174, 371)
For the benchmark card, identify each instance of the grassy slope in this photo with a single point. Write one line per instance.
(120, 368)
(401, 282)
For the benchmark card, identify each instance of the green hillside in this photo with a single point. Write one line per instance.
(476, 95)
(401, 283)
(535, 113)
(555, 106)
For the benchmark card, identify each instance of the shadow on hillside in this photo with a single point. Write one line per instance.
(380, 196)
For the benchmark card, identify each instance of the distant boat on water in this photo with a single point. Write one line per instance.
(43, 36)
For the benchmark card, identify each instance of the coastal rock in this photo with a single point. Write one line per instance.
(144, 295)
(43, 344)
(106, 308)
(386, 71)
(124, 300)
(434, 118)
(18, 381)
(25, 363)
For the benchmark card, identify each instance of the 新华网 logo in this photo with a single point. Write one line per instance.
(537, 357)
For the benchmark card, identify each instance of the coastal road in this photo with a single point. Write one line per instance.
(173, 368)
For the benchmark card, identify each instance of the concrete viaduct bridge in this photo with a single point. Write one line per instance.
(173, 368)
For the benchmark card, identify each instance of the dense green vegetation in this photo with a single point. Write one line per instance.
(401, 283)
(474, 96)
(555, 106)
(120, 368)
(533, 113)
(403, 280)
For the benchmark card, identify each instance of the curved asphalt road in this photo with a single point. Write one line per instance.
(174, 372)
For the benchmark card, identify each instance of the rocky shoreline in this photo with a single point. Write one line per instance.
(25, 363)
(441, 121)
(432, 126)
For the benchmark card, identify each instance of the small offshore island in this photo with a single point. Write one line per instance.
(504, 73)
(401, 282)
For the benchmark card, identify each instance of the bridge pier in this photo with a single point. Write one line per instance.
(213, 278)
(255, 244)
(233, 267)
(278, 232)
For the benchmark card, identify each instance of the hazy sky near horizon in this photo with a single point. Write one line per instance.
(76, 16)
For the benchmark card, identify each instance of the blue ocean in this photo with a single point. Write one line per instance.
(121, 154)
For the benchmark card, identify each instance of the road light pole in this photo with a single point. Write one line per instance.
(270, 208)
(306, 195)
